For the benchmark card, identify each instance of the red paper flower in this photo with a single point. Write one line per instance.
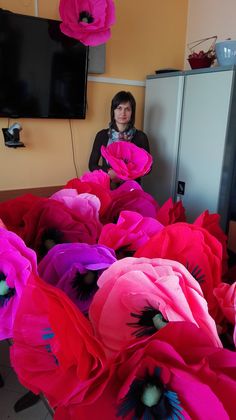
(197, 250)
(226, 297)
(138, 296)
(131, 231)
(171, 212)
(175, 374)
(12, 211)
(17, 262)
(89, 21)
(211, 222)
(54, 350)
(127, 160)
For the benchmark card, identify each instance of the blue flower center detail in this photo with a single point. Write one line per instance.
(149, 399)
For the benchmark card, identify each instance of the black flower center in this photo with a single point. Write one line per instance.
(85, 284)
(149, 399)
(6, 293)
(149, 320)
(124, 252)
(85, 17)
(50, 238)
(196, 272)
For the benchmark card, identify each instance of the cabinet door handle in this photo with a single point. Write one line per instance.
(181, 187)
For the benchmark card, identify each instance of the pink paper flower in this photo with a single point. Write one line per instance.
(92, 187)
(130, 232)
(17, 262)
(137, 296)
(54, 350)
(171, 212)
(50, 222)
(197, 250)
(175, 374)
(89, 21)
(98, 177)
(86, 206)
(75, 268)
(127, 160)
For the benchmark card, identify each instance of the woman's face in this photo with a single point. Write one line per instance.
(122, 113)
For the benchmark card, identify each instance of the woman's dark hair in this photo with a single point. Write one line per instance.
(121, 98)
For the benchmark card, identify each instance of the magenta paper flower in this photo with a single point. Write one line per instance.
(138, 296)
(89, 21)
(132, 200)
(86, 206)
(50, 222)
(127, 160)
(211, 222)
(170, 212)
(130, 232)
(197, 250)
(54, 351)
(226, 297)
(75, 268)
(98, 177)
(175, 374)
(17, 262)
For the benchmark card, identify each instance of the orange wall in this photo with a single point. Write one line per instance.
(143, 39)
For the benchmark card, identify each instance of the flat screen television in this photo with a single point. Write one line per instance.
(43, 73)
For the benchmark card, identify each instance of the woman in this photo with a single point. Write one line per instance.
(121, 127)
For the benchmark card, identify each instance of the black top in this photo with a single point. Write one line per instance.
(140, 139)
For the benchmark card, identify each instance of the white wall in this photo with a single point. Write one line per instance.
(210, 17)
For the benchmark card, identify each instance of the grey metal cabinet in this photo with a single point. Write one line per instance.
(190, 119)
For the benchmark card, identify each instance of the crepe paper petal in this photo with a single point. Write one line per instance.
(70, 267)
(192, 379)
(2, 224)
(226, 297)
(98, 176)
(130, 232)
(86, 206)
(50, 222)
(54, 351)
(170, 212)
(17, 262)
(89, 21)
(137, 296)
(132, 200)
(92, 187)
(211, 222)
(12, 211)
(127, 160)
(197, 250)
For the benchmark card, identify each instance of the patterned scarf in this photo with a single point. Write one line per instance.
(126, 135)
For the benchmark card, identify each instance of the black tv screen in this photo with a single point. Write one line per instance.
(43, 73)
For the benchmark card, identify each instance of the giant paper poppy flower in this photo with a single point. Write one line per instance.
(89, 21)
(86, 206)
(211, 222)
(50, 222)
(130, 232)
(17, 262)
(54, 350)
(12, 211)
(138, 296)
(197, 250)
(92, 187)
(171, 212)
(175, 374)
(127, 160)
(75, 268)
(133, 200)
(97, 176)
